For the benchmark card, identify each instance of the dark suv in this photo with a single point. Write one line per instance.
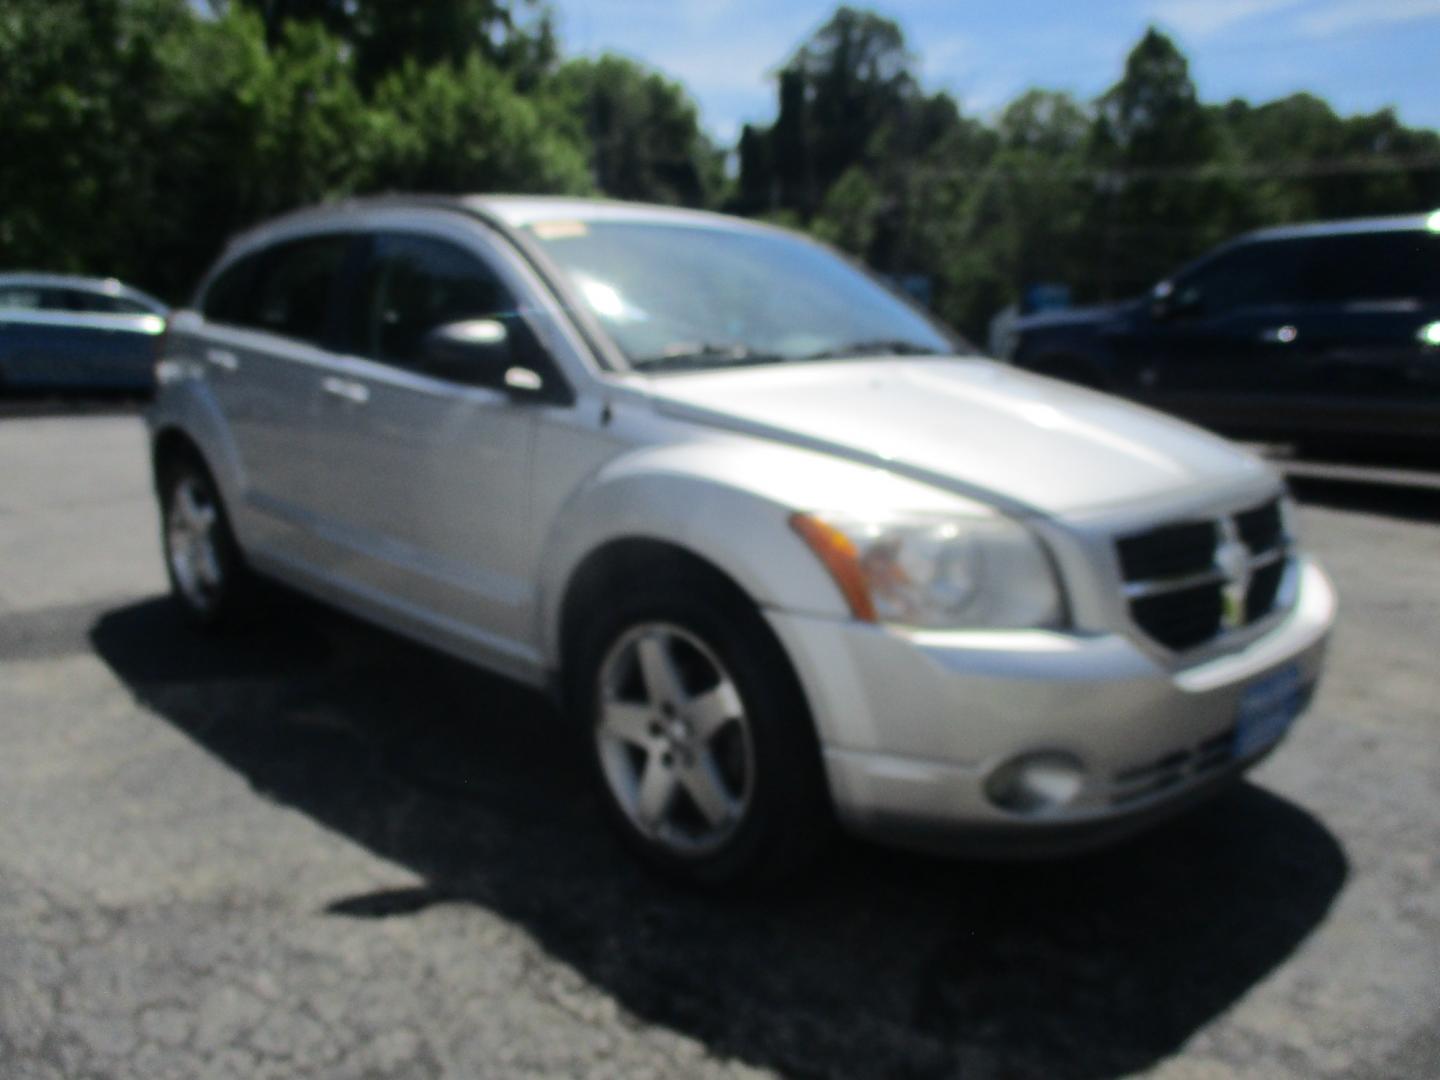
(1326, 330)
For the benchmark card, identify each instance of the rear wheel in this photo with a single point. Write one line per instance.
(207, 574)
(700, 739)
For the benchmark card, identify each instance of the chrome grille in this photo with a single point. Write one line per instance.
(1190, 582)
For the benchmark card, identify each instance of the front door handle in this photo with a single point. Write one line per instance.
(1279, 335)
(346, 389)
(223, 359)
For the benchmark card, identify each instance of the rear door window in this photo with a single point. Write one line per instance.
(103, 303)
(1260, 274)
(294, 287)
(413, 284)
(227, 300)
(1385, 266)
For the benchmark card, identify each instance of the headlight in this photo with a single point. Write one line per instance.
(930, 572)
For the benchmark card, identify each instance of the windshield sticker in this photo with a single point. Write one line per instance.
(560, 230)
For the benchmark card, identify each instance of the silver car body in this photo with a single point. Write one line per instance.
(460, 517)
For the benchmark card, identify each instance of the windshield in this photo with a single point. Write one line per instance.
(684, 296)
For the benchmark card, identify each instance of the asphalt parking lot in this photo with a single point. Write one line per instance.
(315, 850)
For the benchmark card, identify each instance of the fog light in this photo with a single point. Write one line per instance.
(1034, 783)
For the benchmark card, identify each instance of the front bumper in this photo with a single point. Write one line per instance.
(913, 725)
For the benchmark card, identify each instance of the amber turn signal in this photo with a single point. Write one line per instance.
(837, 551)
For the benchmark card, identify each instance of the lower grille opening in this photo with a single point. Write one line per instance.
(1141, 781)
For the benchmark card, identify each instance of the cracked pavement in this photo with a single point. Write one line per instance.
(316, 850)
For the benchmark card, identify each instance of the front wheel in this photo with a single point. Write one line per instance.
(700, 739)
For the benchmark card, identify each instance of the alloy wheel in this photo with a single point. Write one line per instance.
(674, 739)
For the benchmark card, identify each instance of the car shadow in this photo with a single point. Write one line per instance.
(44, 404)
(884, 964)
(1407, 501)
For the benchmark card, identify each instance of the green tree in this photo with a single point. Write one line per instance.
(643, 132)
(243, 132)
(1022, 219)
(835, 93)
(851, 214)
(139, 135)
(1163, 193)
(467, 128)
(1324, 166)
(384, 34)
(107, 167)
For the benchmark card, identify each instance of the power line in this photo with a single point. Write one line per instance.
(1279, 170)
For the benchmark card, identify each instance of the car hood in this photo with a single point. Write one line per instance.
(1024, 443)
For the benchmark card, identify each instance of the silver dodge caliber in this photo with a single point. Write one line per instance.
(787, 553)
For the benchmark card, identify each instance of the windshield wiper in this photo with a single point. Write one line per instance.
(878, 347)
(732, 354)
(702, 355)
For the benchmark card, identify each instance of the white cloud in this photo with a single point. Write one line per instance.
(1200, 19)
(1345, 16)
(687, 40)
(939, 55)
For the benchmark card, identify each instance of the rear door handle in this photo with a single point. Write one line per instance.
(353, 392)
(223, 359)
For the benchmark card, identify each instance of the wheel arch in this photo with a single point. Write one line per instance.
(173, 443)
(621, 561)
(636, 519)
(625, 562)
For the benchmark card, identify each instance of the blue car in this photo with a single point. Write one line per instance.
(72, 333)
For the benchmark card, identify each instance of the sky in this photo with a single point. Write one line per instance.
(1360, 55)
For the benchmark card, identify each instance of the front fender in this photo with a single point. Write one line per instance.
(185, 403)
(727, 500)
(673, 498)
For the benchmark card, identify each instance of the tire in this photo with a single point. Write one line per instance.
(698, 735)
(208, 577)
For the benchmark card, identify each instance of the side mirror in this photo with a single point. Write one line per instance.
(1166, 302)
(1162, 301)
(478, 352)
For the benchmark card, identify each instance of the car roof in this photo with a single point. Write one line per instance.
(505, 211)
(521, 210)
(1349, 227)
(104, 286)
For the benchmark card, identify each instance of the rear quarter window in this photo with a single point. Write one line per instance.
(26, 298)
(227, 299)
(1251, 274)
(285, 289)
(103, 303)
(1374, 266)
